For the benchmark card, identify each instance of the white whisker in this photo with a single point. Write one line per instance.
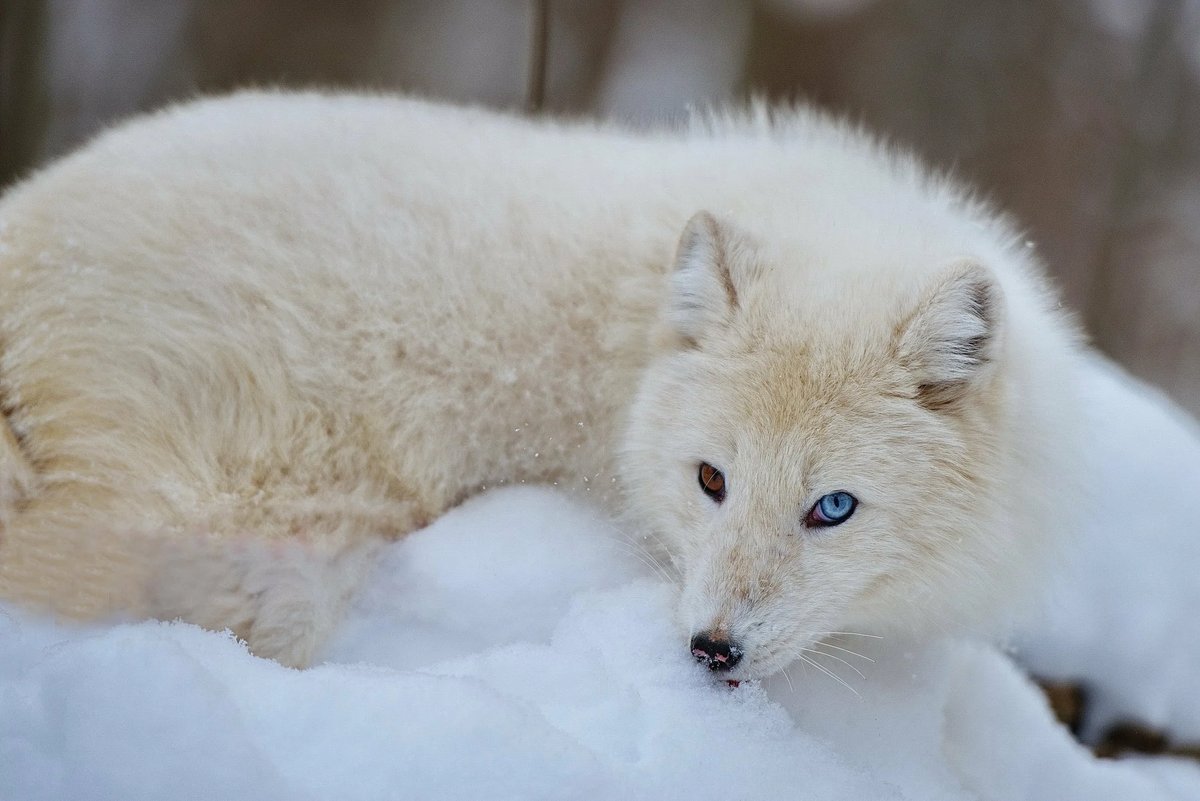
(844, 634)
(829, 673)
(845, 650)
(791, 686)
(838, 658)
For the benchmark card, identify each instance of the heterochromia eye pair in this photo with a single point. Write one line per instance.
(829, 510)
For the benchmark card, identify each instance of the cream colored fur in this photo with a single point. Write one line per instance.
(245, 340)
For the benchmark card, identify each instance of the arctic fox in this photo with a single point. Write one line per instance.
(245, 340)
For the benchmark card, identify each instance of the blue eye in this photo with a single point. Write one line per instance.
(831, 509)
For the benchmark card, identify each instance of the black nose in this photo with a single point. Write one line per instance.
(715, 654)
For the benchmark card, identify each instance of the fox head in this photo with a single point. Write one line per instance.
(816, 449)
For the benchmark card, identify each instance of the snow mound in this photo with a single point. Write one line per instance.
(518, 649)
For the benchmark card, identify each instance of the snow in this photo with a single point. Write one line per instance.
(517, 648)
(1122, 613)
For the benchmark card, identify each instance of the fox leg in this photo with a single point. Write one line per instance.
(282, 597)
(280, 582)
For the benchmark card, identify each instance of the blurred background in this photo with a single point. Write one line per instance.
(1081, 117)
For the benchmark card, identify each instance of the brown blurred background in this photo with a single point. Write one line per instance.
(1079, 116)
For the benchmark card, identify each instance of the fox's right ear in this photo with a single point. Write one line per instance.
(950, 341)
(703, 294)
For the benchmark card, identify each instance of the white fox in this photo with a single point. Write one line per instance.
(244, 341)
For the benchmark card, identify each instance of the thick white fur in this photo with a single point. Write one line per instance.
(244, 340)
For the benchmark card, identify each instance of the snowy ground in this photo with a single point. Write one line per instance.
(515, 650)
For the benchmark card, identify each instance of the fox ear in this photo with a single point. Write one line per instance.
(950, 341)
(703, 296)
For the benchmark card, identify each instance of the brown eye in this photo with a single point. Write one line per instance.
(712, 481)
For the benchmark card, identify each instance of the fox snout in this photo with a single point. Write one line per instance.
(715, 651)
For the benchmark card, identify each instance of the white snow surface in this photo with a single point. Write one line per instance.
(517, 649)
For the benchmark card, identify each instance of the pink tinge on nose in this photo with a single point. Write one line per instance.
(699, 654)
(702, 654)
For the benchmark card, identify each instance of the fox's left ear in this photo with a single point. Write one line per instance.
(704, 293)
(951, 340)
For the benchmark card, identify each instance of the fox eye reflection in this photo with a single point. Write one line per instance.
(712, 481)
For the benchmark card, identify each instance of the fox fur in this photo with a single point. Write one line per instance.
(244, 341)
